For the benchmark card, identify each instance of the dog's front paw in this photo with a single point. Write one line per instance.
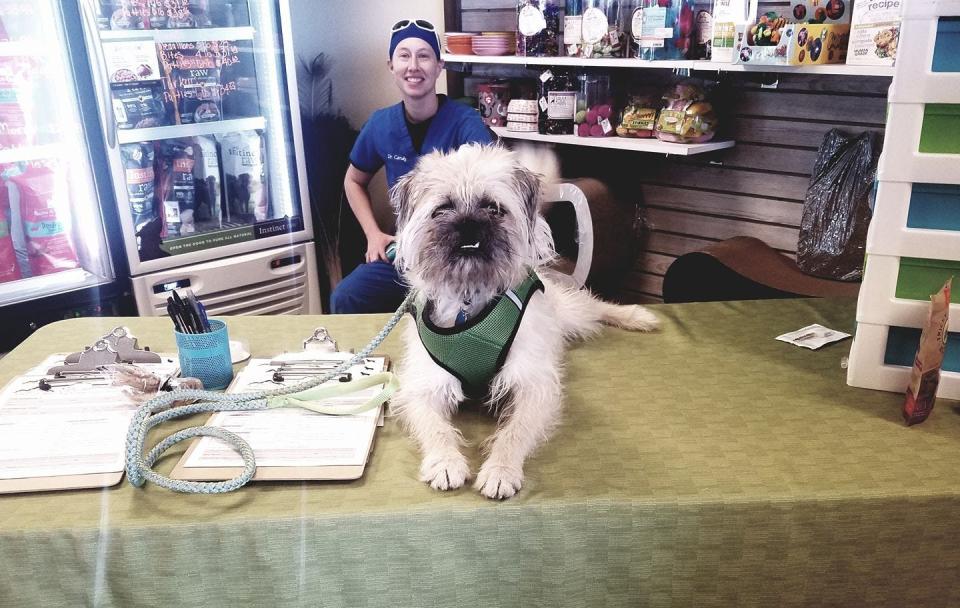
(447, 472)
(497, 480)
(638, 318)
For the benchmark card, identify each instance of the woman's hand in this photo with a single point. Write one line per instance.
(377, 246)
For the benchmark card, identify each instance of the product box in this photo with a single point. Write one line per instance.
(793, 44)
(727, 14)
(821, 11)
(874, 32)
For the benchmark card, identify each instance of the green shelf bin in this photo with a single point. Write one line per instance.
(940, 133)
(920, 278)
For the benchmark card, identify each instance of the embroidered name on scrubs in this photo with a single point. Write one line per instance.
(475, 351)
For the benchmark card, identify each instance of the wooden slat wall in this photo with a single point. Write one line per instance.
(754, 189)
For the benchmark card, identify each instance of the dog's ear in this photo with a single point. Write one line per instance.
(528, 185)
(401, 196)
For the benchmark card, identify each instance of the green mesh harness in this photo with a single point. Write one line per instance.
(475, 351)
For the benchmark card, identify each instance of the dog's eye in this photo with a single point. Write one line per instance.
(448, 206)
(494, 209)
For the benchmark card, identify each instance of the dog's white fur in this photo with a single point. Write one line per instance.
(527, 390)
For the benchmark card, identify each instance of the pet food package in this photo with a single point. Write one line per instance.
(686, 116)
(131, 61)
(874, 33)
(138, 170)
(192, 71)
(9, 270)
(925, 376)
(639, 116)
(160, 14)
(18, 102)
(139, 105)
(244, 173)
(206, 178)
(176, 187)
(39, 196)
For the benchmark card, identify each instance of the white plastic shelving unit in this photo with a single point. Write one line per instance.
(914, 237)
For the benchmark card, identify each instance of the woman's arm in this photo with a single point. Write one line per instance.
(355, 186)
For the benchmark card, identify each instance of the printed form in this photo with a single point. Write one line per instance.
(294, 437)
(71, 429)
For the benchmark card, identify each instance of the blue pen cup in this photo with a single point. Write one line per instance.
(206, 356)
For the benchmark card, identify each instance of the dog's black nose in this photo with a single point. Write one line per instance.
(469, 231)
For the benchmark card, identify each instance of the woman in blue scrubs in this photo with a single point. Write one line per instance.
(394, 138)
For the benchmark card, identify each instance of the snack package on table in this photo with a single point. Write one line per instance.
(925, 376)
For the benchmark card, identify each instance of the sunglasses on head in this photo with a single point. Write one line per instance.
(420, 23)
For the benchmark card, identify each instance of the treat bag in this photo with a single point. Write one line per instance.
(925, 376)
(41, 195)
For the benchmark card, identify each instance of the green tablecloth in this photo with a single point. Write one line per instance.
(704, 465)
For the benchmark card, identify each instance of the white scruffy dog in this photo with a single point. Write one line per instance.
(469, 232)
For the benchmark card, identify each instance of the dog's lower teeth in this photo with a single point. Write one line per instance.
(474, 246)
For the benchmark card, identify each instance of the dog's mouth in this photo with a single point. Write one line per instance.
(471, 246)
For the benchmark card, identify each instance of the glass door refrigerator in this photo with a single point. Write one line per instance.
(59, 254)
(204, 149)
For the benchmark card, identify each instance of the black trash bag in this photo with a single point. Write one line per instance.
(836, 210)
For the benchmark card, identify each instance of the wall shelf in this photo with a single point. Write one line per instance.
(839, 69)
(618, 143)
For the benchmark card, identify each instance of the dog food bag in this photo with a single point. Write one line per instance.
(40, 194)
(139, 175)
(177, 189)
(925, 376)
(139, 105)
(9, 270)
(193, 75)
(18, 103)
(206, 178)
(244, 171)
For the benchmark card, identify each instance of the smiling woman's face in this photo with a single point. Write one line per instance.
(415, 68)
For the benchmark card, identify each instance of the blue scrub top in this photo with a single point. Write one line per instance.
(385, 141)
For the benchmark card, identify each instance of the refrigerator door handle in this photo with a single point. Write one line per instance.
(107, 118)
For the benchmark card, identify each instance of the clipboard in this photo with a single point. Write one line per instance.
(280, 473)
(118, 342)
(63, 482)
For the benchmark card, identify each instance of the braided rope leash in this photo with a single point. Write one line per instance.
(158, 410)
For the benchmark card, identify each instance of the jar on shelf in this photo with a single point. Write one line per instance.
(557, 102)
(595, 115)
(602, 28)
(492, 101)
(572, 28)
(538, 28)
(662, 29)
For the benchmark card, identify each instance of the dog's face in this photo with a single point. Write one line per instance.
(467, 222)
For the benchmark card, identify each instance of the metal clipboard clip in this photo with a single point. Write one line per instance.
(125, 345)
(321, 340)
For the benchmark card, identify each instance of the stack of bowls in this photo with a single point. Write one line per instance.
(459, 43)
(495, 43)
(522, 115)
